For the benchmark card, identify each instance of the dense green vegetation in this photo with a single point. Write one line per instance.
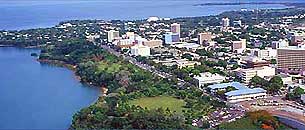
(272, 86)
(242, 124)
(127, 83)
(296, 94)
(256, 120)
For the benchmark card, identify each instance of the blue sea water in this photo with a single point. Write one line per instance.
(24, 14)
(38, 96)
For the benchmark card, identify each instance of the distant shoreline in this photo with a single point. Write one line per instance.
(289, 4)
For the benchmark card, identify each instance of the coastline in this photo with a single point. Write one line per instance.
(61, 64)
(288, 4)
(73, 69)
(174, 16)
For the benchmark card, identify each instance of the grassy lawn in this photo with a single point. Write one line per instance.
(110, 68)
(161, 101)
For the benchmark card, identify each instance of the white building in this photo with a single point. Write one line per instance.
(237, 23)
(239, 46)
(112, 35)
(124, 43)
(140, 50)
(189, 46)
(241, 92)
(208, 78)
(303, 98)
(245, 95)
(280, 44)
(186, 64)
(247, 74)
(153, 19)
(92, 38)
(225, 22)
(267, 53)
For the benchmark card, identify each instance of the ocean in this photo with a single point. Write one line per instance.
(26, 14)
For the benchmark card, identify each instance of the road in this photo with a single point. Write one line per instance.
(135, 62)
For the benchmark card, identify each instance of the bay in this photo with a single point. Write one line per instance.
(38, 96)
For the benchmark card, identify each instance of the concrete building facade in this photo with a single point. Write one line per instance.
(112, 35)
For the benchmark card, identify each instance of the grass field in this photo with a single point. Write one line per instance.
(110, 68)
(160, 102)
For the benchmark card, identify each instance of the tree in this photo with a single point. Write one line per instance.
(298, 92)
(257, 81)
(230, 88)
(222, 63)
(187, 56)
(273, 61)
(196, 72)
(275, 84)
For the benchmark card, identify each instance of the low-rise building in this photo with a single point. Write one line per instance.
(189, 46)
(153, 43)
(247, 74)
(241, 92)
(140, 50)
(267, 53)
(187, 64)
(239, 46)
(112, 35)
(280, 44)
(245, 95)
(208, 78)
(303, 98)
(253, 62)
(203, 38)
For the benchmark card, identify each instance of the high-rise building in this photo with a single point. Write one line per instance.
(291, 59)
(204, 38)
(225, 22)
(175, 28)
(112, 35)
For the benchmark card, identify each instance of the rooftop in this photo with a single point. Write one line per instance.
(208, 75)
(187, 45)
(236, 85)
(241, 89)
(245, 91)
